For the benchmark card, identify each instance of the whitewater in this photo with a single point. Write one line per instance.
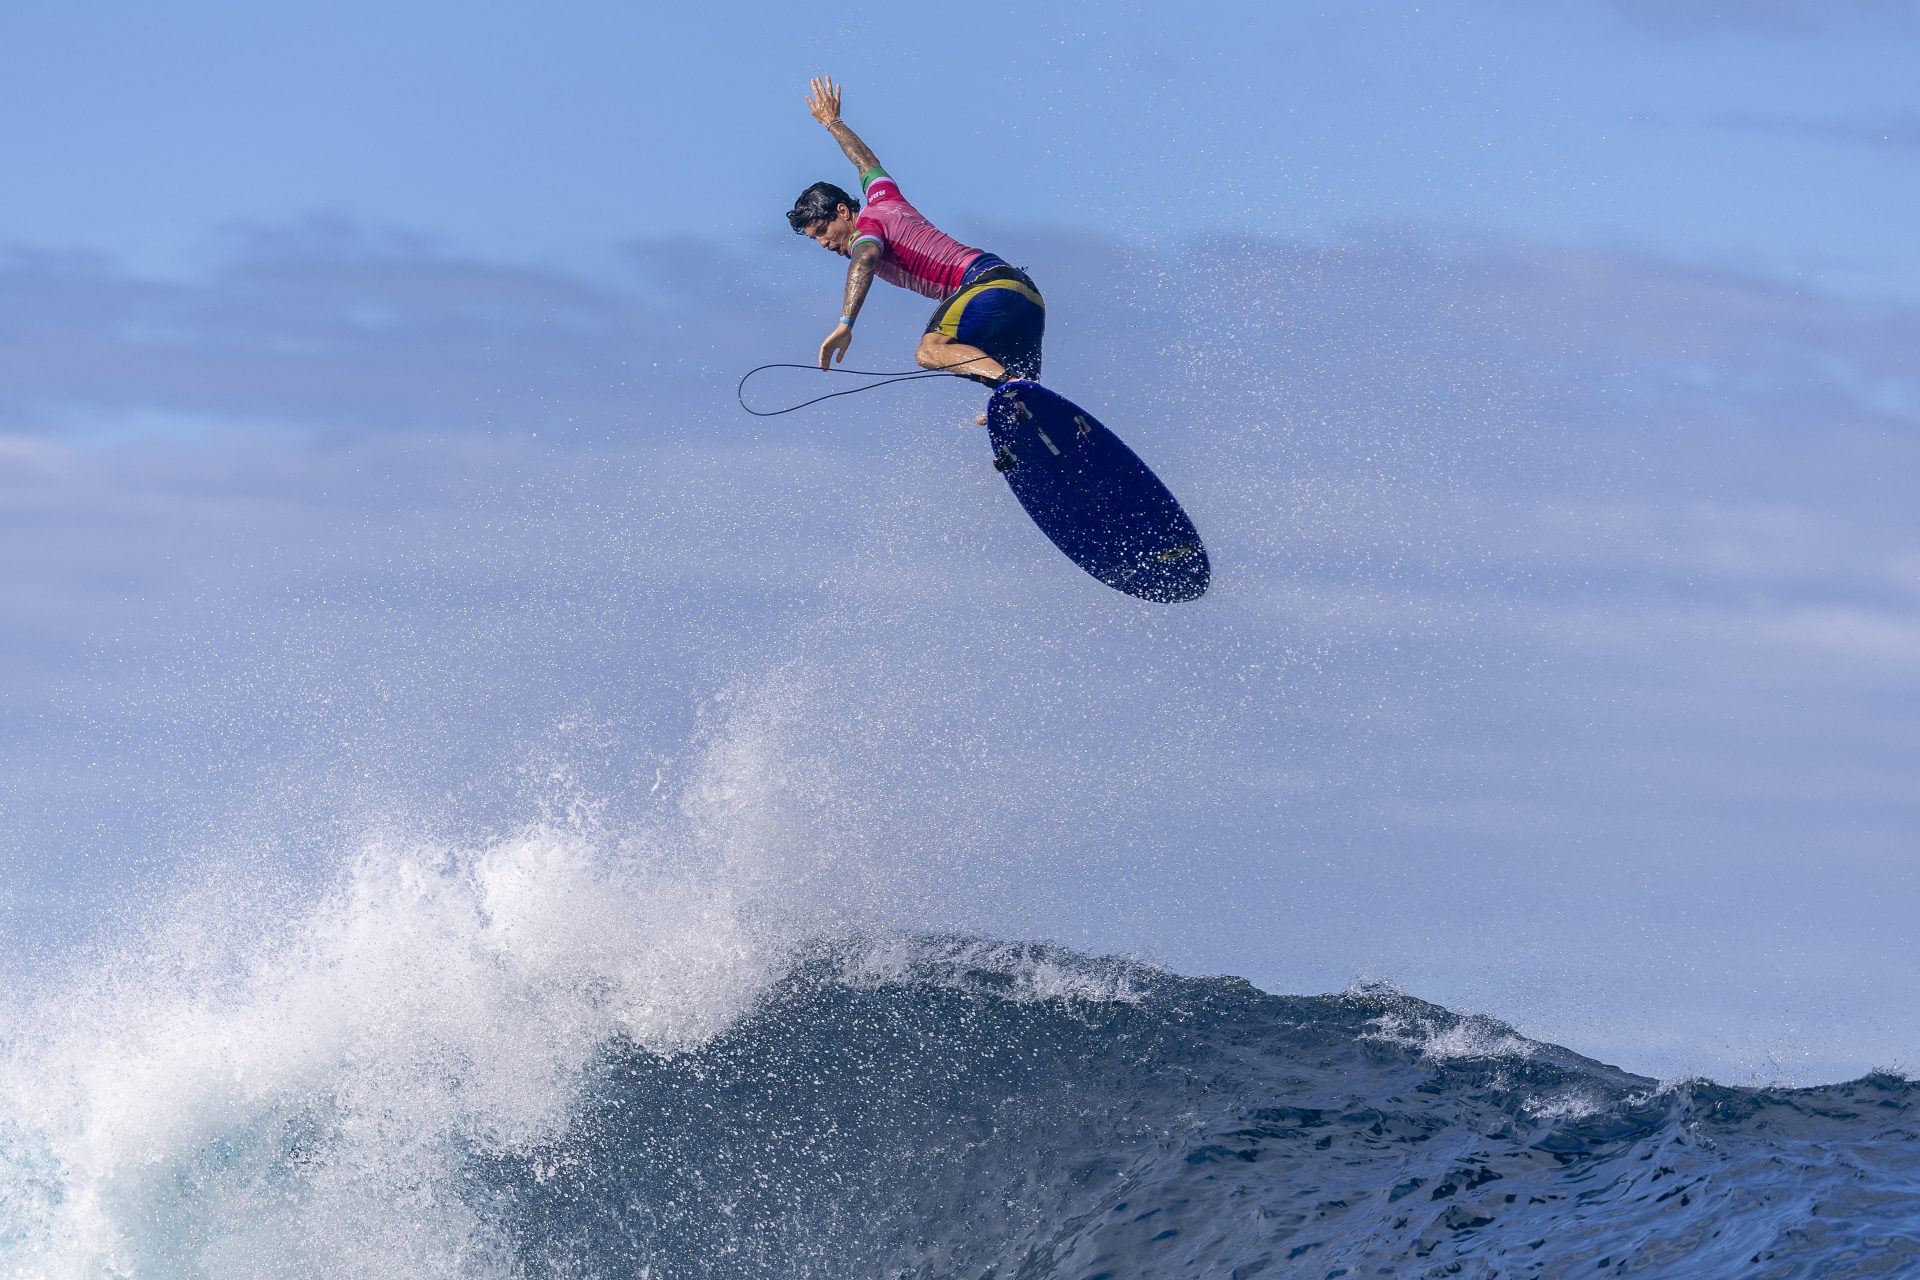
(679, 1048)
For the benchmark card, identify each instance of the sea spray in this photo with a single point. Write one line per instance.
(304, 1095)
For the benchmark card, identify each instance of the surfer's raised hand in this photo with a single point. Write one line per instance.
(824, 101)
(835, 347)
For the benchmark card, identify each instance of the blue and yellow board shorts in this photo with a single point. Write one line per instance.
(999, 310)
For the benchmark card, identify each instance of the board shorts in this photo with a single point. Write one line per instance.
(999, 310)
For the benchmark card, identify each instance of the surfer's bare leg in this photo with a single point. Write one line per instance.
(938, 351)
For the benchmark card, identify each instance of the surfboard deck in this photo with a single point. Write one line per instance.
(1093, 497)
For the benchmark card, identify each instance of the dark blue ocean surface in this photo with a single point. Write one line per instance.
(994, 1111)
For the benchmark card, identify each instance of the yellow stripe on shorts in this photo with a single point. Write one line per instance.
(950, 315)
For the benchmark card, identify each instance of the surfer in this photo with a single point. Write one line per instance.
(990, 316)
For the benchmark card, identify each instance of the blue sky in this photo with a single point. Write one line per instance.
(1773, 136)
(1543, 380)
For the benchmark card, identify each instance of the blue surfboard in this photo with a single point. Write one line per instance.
(1092, 497)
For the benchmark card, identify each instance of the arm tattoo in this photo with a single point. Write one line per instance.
(859, 279)
(857, 151)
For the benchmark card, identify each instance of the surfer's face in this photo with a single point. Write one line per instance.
(834, 235)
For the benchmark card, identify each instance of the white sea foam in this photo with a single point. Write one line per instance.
(1449, 1039)
(1020, 971)
(1570, 1104)
(299, 1098)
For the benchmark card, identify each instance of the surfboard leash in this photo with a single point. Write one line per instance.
(740, 391)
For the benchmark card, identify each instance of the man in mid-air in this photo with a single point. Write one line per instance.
(990, 318)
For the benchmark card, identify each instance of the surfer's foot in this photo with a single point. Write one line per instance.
(980, 421)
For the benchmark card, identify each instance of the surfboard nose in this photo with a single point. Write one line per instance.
(1172, 575)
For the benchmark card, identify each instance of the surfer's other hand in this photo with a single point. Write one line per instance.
(835, 347)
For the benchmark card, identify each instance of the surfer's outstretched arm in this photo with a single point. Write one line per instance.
(859, 279)
(824, 102)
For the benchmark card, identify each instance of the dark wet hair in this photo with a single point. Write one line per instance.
(819, 203)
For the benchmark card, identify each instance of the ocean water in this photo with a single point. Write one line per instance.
(565, 1054)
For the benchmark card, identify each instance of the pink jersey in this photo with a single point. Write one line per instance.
(915, 254)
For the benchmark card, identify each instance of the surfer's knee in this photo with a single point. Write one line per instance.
(929, 354)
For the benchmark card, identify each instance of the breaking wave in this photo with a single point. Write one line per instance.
(562, 1054)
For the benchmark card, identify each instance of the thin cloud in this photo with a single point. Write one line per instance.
(324, 333)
